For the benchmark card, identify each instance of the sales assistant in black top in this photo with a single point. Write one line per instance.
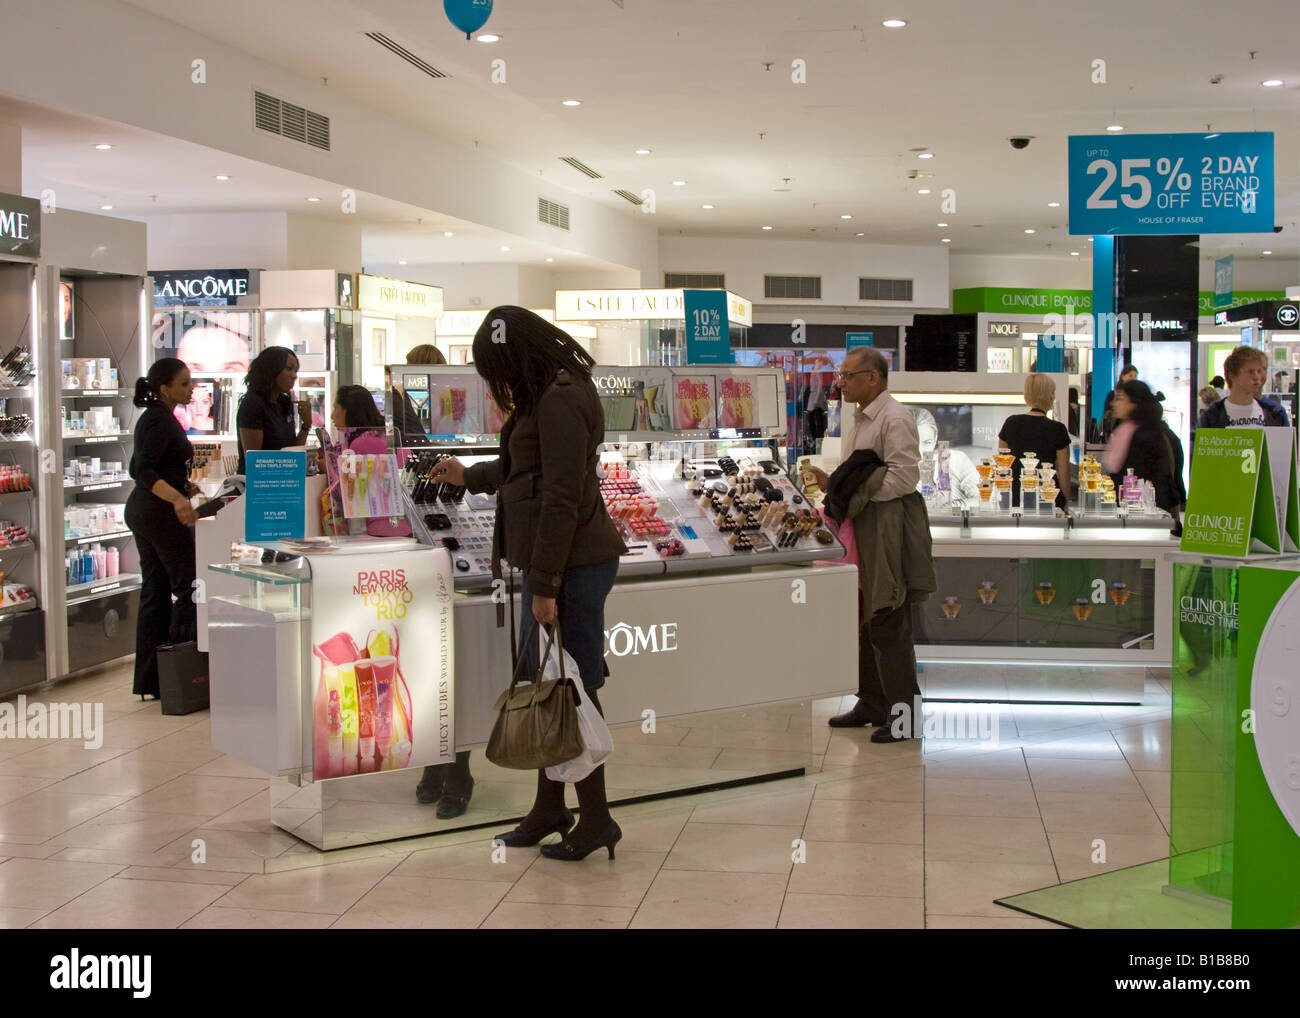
(551, 523)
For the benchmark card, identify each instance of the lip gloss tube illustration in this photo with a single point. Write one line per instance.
(386, 642)
(335, 651)
(385, 672)
(334, 722)
(366, 695)
(350, 716)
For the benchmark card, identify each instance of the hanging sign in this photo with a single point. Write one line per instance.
(20, 225)
(202, 288)
(856, 339)
(708, 336)
(1171, 183)
(1231, 509)
(398, 297)
(1223, 282)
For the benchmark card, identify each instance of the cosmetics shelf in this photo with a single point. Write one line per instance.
(114, 535)
(107, 585)
(92, 486)
(89, 393)
(16, 496)
(117, 436)
(22, 608)
(14, 549)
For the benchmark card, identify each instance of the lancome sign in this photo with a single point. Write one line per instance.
(398, 297)
(202, 287)
(20, 225)
(637, 306)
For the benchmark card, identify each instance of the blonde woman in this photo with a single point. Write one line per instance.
(1035, 432)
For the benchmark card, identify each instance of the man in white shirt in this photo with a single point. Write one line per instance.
(886, 657)
(1245, 405)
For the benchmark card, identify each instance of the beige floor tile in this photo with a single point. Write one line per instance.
(127, 774)
(1101, 746)
(473, 861)
(651, 831)
(903, 784)
(680, 899)
(14, 849)
(192, 793)
(233, 844)
(253, 814)
(986, 839)
(1094, 776)
(518, 915)
(216, 917)
(596, 880)
(49, 812)
(17, 918)
(405, 903)
(302, 854)
(850, 912)
(229, 767)
(743, 762)
(125, 829)
(197, 875)
(225, 864)
(1074, 853)
(888, 823)
(857, 868)
(1086, 813)
(969, 888)
(132, 904)
(332, 889)
(989, 765)
(186, 746)
(12, 787)
(47, 884)
(977, 797)
(57, 760)
(138, 730)
(1011, 921)
(1156, 785)
(118, 857)
(771, 805)
(735, 848)
(1163, 812)
(1147, 748)
(649, 755)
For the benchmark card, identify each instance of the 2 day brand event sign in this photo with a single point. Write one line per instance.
(1171, 183)
(1243, 494)
(382, 642)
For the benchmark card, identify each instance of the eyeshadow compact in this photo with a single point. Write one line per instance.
(770, 467)
(824, 537)
(437, 521)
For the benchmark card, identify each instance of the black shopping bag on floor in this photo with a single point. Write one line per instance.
(182, 678)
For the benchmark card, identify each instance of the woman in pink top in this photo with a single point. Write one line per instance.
(358, 420)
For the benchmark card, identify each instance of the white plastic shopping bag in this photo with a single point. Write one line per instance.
(597, 743)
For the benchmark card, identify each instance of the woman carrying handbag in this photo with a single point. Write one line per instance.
(551, 524)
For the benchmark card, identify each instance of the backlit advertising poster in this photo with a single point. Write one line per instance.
(736, 404)
(383, 648)
(694, 402)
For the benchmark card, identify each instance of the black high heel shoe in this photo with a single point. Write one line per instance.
(569, 852)
(520, 838)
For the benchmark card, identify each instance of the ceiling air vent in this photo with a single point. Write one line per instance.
(398, 49)
(552, 213)
(793, 287)
(291, 121)
(884, 289)
(695, 281)
(629, 196)
(581, 167)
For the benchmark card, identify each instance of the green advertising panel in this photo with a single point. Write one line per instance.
(1266, 829)
(1230, 507)
(1021, 300)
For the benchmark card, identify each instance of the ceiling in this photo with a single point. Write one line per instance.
(707, 86)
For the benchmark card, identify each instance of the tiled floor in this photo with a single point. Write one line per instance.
(906, 835)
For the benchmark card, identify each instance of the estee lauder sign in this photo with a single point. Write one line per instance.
(20, 225)
(397, 297)
(636, 305)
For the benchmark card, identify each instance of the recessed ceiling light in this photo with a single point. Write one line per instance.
(922, 190)
(106, 208)
(550, 259)
(679, 183)
(941, 224)
(894, 23)
(1115, 127)
(706, 206)
(925, 155)
(945, 240)
(313, 199)
(1053, 204)
(571, 102)
(767, 227)
(643, 151)
(846, 217)
(861, 234)
(223, 176)
(488, 37)
(1268, 252)
(1273, 83)
(103, 146)
(1030, 230)
(401, 263)
(448, 233)
(504, 247)
(1074, 254)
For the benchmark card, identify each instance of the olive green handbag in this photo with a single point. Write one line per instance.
(537, 721)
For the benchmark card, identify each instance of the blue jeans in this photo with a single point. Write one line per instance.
(581, 608)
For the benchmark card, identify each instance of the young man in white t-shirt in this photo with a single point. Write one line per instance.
(1245, 405)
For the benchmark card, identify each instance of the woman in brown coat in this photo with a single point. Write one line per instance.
(551, 523)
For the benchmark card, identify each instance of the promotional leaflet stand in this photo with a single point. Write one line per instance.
(714, 652)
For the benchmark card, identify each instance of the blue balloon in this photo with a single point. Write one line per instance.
(468, 15)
